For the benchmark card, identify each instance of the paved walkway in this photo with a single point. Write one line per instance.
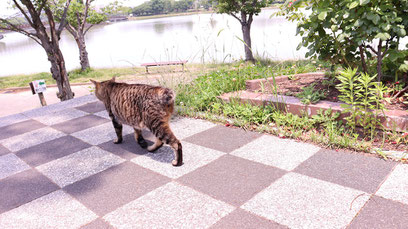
(60, 169)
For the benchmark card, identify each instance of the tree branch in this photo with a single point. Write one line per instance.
(372, 49)
(92, 25)
(41, 7)
(85, 14)
(14, 28)
(63, 21)
(235, 16)
(24, 13)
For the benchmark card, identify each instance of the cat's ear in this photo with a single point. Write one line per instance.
(93, 81)
(113, 79)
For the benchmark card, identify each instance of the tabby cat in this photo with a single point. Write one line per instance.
(140, 106)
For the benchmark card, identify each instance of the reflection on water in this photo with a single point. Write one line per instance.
(196, 38)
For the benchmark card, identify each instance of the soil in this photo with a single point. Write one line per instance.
(294, 86)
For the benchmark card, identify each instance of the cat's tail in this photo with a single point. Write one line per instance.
(168, 97)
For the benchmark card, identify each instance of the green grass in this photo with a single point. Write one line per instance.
(75, 76)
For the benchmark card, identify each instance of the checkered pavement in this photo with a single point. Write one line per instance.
(60, 169)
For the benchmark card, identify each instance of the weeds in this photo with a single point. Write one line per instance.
(310, 96)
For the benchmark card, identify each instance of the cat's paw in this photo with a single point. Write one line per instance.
(117, 141)
(142, 143)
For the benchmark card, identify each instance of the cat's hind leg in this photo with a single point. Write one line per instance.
(164, 134)
(139, 138)
(118, 128)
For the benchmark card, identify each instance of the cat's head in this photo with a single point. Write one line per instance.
(101, 88)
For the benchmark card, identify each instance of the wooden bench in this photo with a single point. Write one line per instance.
(147, 65)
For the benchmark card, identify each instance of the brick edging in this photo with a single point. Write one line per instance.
(257, 84)
(393, 120)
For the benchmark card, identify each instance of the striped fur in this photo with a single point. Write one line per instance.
(140, 106)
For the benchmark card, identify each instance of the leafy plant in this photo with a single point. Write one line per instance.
(363, 97)
(310, 96)
(344, 31)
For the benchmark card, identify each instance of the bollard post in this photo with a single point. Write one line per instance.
(42, 99)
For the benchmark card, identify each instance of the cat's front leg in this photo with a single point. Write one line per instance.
(118, 129)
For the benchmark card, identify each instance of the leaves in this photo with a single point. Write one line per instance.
(353, 5)
(322, 15)
(383, 36)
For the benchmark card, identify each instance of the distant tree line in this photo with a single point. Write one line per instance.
(155, 7)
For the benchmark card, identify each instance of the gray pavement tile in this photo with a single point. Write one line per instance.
(32, 138)
(103, 114)
(98, 224)
(244, 220)
(10, 164)
(395, 186)
(282, 153)
(55, 210)
(54, 149)
(185, 127)
(170, 206)
(300, 201)
(60, 116)
(114, 187)
(231, 179)
(52, 108)
(128, 149)
(101, 133)
(79, 165)
(19, 128)
(12, 119)
(352, 170)
(194, 156)
(79, 124)
(381, 213)
(223, 139)
(93, 107)
(22, 188)
(4, 150)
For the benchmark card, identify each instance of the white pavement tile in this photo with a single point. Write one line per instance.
(10, 164)
(396, 185)
(79, 165)
(100, 134)
(282, 153)
(60, 116)
(32, 138)
(186, 127)
(170, 206)
(11, 119)
(299, 201)
(194, 156)
(55, 210)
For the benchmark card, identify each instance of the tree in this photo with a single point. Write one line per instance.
(32, 11)
(351, 32)
(244, 12)
(81, 17)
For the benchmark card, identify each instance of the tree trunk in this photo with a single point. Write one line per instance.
(379, 61)
(363, 62)
(83, 54)
(59, 73)
(246, 31)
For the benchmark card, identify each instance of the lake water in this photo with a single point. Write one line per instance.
(203, 38)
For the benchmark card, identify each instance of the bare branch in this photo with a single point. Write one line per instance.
(89, 28)
(235, 16)
(63, 21)
(24, 13)
(372, 49)
(14, 28)
(87, 3)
